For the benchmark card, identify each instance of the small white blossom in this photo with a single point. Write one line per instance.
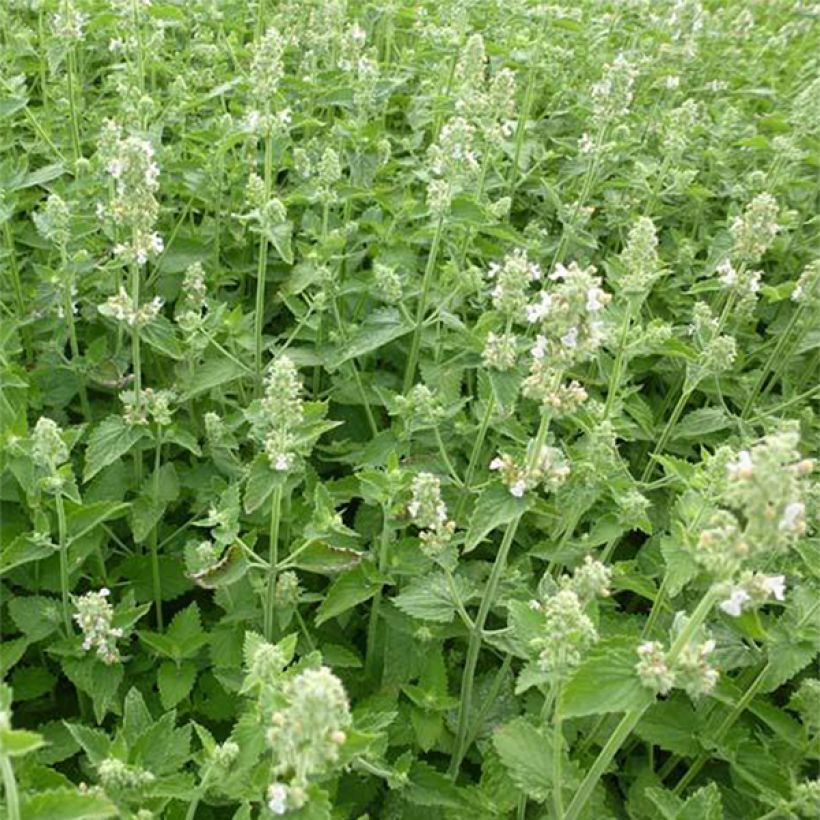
(734, 603)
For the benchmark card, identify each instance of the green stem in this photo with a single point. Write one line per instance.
(412, 359)
(487, 601)
(270, 603)
(71, 78)
(10, 786)
(198, 794)
(557, 752)
(262, 266)
(75, 354)
(617, 367)
(370, 662)
(136, 364)
(476, 453)
(666, 434)
(155, 573)
(630, 719)
(63, 549)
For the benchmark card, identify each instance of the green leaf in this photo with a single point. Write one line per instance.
(430, 598)
(36, 616)
(228, 570)
(262, 478)
(83, 519)
(280, 237)
(379, 328)
(18, 742)
(527, 755)
(701, 422)
(606, 682)
(109, 441)
(495, 507)
(348, 590)
(671, 725)
(94, 742)
(22, 550)
(175, 682)
(211, 374)
(99, 681)
(66, 804)
(327, 559)
(161, 334)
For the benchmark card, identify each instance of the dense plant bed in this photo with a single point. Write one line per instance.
(407, 410)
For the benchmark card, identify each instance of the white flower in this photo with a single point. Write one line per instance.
(594, 302)
(792, 520)
(774, 585)
(743, 467)
(518, 489)
(539, 349)
(539, 309)
(497, 463)
(727, 273)
(278, 798)
(672, 82)
(570, 338)
(734, 603)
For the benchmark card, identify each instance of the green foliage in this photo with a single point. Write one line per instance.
(409, 410)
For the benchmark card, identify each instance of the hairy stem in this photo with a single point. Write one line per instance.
(273, 559)
(155, 573)
(62, 539)
(10, 787)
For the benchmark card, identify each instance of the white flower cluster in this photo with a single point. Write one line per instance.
(48, 449)
(716, 351)
(568, 628)
(548, 468)
(150, 405)
(67, 23)
(512, 279)
(754, 589)
(117, 776)
(690, 671)
(612, 94)
(744, 283)
(428, 512)
(193, 302)
(130, 163)
(306, 734)
(807, 289)
(52, 221)
(500, 351)
(267, 68)
(94, 616)
(121, 308)
(640, 257)
(282, 411)
(453, 162)
(754, 231)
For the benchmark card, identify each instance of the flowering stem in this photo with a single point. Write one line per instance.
(75, 354)
(617, 367)
(487, 601)
(155, 573)
(412, 359)
(71, 77)
(557, 751)
(10, 787)
(273, 559)
(630, 719)
(14, 271)
(262, 267)
(136, 363)
(63, 549)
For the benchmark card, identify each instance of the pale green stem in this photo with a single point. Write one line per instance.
(617, 367)
(557, 751)
(487, 601)
(273, 559)
(666, 434)
(62, 539)
(412, 359)
(71, 78)
(631, 718)
(262, 267)
(476, 453)
(10, 786)
(136, 363)
(198, 794)
(155, 573)
(370, 661)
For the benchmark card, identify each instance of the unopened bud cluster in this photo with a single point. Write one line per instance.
(95, 617)
(690, 671)
(754, 231)
(117, 776)
(122, 308)
(149, 405)
(48, 449)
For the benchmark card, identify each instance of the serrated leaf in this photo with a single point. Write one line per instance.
(161, 334)
(66, 804)
(98, 680)
(108, 442)
(18, 742)
(380, 328)
(701, 422)
(83, 519)
(22, 550)
(175, 682)
(527, 755)
(606, 681)
(430, 598)
(495, 507)
(347, 591)
(211, 374)
(262, 479)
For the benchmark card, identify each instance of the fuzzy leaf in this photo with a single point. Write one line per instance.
(495, 507)
(527, 755)
(109, 441)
